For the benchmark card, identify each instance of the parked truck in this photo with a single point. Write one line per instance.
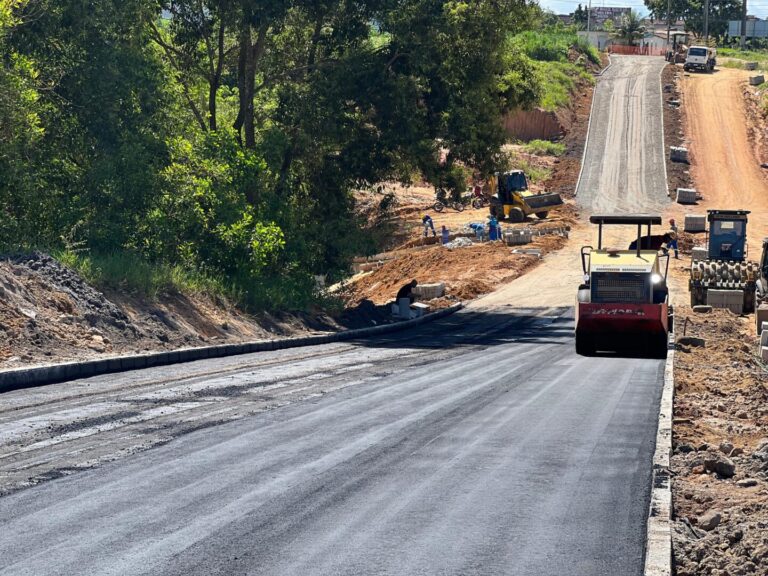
(700, 58)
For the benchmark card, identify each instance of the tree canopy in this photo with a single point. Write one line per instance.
(228, 136)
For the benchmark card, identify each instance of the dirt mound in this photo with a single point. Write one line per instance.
(468, 272)
(720, 458)
(48, 313)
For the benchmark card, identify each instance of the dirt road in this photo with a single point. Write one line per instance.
(623, 173)
(724, 165)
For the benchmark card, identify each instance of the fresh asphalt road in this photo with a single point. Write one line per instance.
(501, 453)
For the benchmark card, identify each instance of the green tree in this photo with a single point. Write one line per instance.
(580, 18)
(630, 28)
(692, 13)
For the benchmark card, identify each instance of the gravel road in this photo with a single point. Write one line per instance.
(499, 452)
(624, 169)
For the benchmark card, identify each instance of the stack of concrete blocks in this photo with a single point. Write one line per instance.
(429, 291)
(518, 237)
(686, 196)
(750, 65)
(699, 253)
(732, 300)
(695, 223)
(764, 342)
(756, 80)
(761, 317)
(678, 154)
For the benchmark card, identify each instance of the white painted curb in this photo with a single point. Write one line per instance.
(658, 546)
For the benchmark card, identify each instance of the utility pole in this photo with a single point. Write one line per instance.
(706, 21)
(589, 19)
(744, 26)
(669, 20)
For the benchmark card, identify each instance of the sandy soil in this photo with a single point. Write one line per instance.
(724, 166)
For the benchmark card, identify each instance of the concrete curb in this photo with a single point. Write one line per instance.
(42, 375)
(658, 546)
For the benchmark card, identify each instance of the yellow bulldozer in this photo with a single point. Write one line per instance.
(512, 201)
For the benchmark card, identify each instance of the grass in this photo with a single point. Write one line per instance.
(128, 272)
(739, 57)
(535, 174)
(559, 80)
(553, 46)
(545, 148)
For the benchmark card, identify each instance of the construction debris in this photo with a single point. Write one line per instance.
(459, 242)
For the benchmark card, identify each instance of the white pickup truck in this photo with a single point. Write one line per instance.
(700, 58)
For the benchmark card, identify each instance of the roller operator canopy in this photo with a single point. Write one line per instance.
(627, 219)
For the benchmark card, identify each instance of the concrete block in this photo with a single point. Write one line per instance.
(761, 318)
(429, 291)
(764, 338)
(756, 80)
(764, 353)
(695, 223)
(750, 65)
(418, 309)
(529, 251)
(699, 253)
(518, 237)
(686, 196)
(732, 300)
(678, 154)
(404, 305)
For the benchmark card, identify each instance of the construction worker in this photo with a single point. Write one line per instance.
(407, 291)
(493, 228)
(445, 235)
(673, 237)
(426, 221)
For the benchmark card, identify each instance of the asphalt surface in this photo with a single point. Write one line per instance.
(624, 169)
(502, 452)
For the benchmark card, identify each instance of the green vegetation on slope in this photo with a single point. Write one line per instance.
(217, 149)
(560, 59)
(545, 148)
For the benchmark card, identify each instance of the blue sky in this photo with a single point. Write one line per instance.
(756, 7)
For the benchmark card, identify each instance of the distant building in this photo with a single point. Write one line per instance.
(756, 28)
(600, 15)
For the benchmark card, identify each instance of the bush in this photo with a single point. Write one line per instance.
(553, 46)
(545, 148)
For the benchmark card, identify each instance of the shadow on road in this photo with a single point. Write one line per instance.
(483, 328)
